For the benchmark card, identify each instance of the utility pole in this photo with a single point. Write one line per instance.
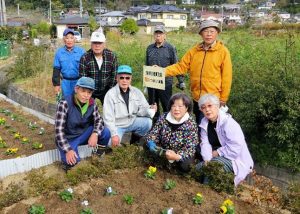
(3, 19)
(1, 15)
(18, 9)
(100, 8)
(80, 8)
(222, 18)
(50, 12)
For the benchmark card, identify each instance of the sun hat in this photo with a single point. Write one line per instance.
(159, 28)
(86, 82)
(124, 69)
(98, 37)
(209, 23)
(67, 31)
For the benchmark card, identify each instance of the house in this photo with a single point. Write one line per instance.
(170, 2)
(211, 16)
(284, 16)
(172, 17)
(146, 26)
(77, 23)
(232, 19)
(112, 19)
(189, 2)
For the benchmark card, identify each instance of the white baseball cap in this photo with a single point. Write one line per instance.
(98, 37)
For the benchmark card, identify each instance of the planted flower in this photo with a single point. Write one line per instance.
(32, 126)
(17, 135)
(37, 209)
(37, 145)
(128, 199)
(2, 143)
(167, 211)
(110, 191)
(11, 151)
(66, 195)
(2, 121)
(198, 199)
(86, 211)
(41, 131)
(85, 203)
(170, 184)
(24, 140)
(227, 207)
(150, 173)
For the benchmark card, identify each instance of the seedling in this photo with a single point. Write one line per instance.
(24, 140)
(37, 209)
(167, 211)
(150, 173)
(66, 195)
(42, 131)
(169, 184)
(128, 199)
(198, 199)
(17, 135)
(2, 143)
(86, 211)
(37, 145)
(32, 126)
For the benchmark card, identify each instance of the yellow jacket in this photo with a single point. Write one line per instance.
(210, 71)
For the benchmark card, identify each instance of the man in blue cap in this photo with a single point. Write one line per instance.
(126, 109)
(78, 122)
(66, 65)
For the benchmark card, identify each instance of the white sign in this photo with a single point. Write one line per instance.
(154, 77)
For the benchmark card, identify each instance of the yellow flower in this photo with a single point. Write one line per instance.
(17, 135)
(199, 195)
(152, 169)
(227, 202)
(40, 145)
(223, 209)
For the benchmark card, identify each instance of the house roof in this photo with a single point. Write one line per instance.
(114, 14)
(147, 22)
(77, 20)
(165, 9)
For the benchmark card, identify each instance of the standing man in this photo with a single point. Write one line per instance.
(209, 65)
(163, 54)
(126, 109)
(78, 122)
(66, 65)
(100, 64)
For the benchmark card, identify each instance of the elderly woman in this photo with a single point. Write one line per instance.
(175, 133)
(222, 139)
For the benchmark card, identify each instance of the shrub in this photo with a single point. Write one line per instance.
(292, 198)
(265, 98)
(129, 26)
(13, 194)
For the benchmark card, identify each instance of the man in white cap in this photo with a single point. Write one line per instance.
(209, 66)
(66, 65)
(100, 64)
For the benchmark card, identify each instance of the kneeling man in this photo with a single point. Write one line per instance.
(126, 109)
(78, 122)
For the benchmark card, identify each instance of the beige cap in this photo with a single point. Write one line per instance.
(98, 37)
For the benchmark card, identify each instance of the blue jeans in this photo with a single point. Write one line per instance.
(103, 139)
(140, 126)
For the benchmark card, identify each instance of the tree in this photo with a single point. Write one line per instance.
(93, 24)
(129, 26)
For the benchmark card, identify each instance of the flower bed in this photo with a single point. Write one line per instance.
(22, 134)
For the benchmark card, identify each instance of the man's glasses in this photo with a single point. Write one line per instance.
(127, 78)
(209, 31)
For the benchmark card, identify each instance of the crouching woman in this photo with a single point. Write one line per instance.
(222, 140)
(175, 133)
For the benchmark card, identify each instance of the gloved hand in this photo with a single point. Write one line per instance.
(152, 146)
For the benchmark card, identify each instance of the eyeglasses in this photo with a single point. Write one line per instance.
(209, 31)
(127, 78)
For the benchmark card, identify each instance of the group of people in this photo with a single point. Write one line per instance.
(173, 135)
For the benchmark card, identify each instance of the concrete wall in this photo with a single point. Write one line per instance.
(29, 101)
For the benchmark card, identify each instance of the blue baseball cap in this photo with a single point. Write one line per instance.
(86, 82)
(124, 69)
(67, 31)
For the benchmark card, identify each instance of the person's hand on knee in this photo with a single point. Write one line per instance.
(115, 140)
(71, 157)
(93, 140)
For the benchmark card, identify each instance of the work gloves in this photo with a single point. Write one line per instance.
(152, 146)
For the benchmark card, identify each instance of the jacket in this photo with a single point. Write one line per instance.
(233, 145)
(210, 71)
(182, 141)
(115, 112)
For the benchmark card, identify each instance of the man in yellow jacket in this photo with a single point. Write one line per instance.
(209, 65)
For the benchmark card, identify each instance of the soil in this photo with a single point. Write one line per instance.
(17, 121)
(149, 196)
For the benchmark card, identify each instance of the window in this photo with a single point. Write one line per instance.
(170, 16)
(153, 16)
(183, 17)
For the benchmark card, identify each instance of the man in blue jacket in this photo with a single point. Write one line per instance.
(78, 122)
